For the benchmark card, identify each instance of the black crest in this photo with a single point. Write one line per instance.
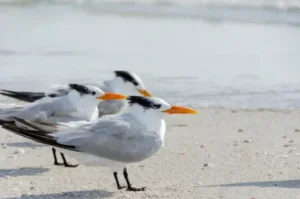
(126, 76)
(143, 101)
(83, 90)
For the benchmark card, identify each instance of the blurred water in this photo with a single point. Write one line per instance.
(208, 63)
(257, 11)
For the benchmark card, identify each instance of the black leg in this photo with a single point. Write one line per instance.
(129, 187)
(117, 181)
(55, 158)
(66, 163)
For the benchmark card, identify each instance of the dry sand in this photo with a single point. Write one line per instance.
(216, 154)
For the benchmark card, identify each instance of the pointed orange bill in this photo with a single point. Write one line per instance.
(145, 93)
(112, 96)
(180, 110)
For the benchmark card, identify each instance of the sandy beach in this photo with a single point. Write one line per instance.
(220, 153)
(242, 55)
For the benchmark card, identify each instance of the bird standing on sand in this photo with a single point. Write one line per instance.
(113, 140)
(80, 104)
(127, 83)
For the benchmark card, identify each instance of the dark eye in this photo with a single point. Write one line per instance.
(93, 93)
(156, 106)
(135, 83)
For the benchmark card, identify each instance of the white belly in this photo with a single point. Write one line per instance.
(91, 160)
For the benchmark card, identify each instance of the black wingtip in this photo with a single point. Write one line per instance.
(22, 96)
(24, 122)
(37, 136)
(3, 122)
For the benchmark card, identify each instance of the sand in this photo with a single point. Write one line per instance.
(217, 154)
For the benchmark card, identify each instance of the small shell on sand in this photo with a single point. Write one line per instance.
(12, 156)
(284, 156)
(247, 141)
(290, 151)
(19, 151)
(126, 196)
(6, 177)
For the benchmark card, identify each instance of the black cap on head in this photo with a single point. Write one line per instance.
(83, 90)
(145, 102)
(126, 76)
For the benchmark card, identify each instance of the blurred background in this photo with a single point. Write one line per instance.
(202, 53)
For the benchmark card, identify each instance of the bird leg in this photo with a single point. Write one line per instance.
(55, 158)
(66, 163)
(117, 181)
(129, 187)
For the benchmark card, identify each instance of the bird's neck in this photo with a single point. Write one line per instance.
(113, 84)
(88, 112)
(117, 85)
(85, 108)
(152, 121)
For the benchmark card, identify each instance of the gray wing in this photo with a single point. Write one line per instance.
(41, 110)
(113, 138)
(58, 91)
(111, 107)
(107, 126)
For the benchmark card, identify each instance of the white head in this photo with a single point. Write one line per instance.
(86, 98)
(149, 110)
(128, 83)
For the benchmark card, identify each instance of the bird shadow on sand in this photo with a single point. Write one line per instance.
(24, 144)
(280, 184)
(26, 171)
(87, 194)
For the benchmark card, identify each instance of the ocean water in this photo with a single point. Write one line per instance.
(236, 54)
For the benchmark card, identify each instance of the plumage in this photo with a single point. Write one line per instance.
(80, 104)
(82, 89)
(124, 82)
(143, 101)
(34, 135)
(23, 96)
(127, 76)
(112, 140)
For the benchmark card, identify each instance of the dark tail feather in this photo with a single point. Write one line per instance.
(23, 96)
(2, 122)
(24, 122)
(37, 136)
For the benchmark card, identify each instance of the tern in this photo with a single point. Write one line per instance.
(111, 141)
(80, 104)
(124, 82)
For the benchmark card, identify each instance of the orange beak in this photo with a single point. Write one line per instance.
(180, 110)
(112, 96)
(145, 93)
